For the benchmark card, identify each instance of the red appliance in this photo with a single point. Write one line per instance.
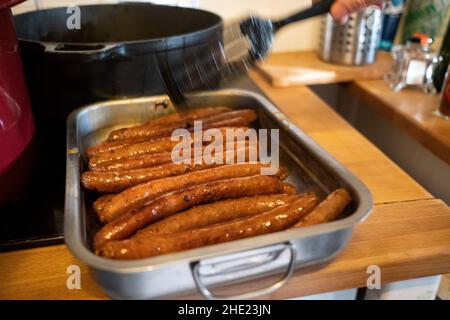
(16, 120)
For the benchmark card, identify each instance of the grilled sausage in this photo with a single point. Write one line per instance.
(155, 128)
(133, 150)
(275, 220)
(148, 132)
(104, 147)
(151, 160)
(233, 122)
(100, 204)
(247, 115)
(187, 116)
(216, 212)
(176, 201)
(137, 196)
(117, 181)
(114, 145)
(138, 162)
(290, 188)
(150, 147)
(327, 210)
(194, 114)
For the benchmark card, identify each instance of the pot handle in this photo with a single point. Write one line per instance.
(79, 49)
(277, 250)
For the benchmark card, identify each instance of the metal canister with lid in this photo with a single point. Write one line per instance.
(352, 43)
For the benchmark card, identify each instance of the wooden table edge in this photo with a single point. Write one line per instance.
(437, 262)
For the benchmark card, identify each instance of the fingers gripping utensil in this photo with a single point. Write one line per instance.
(243, 43)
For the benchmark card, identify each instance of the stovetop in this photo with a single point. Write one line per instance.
(36, 217)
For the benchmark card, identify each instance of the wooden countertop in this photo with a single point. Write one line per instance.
(411, 110)
(280, 69)
(407, 235)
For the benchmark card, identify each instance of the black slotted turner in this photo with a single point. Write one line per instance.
(243, 43)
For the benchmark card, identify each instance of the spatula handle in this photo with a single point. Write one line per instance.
(316, 10)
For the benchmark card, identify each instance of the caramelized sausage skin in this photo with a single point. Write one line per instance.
(128, 134)
(113, 182)
(150, 147)
(132, 150)
(152, 160)
(216, 212)
(328, 210)
(115, 145)
(100, 204)
(138, 162)
(245, 115)
(157, 127)
(176, 201)
(233, 122)
(117, 181)
(137, 196)
(236, 121)
(275, 220)
(105, 146)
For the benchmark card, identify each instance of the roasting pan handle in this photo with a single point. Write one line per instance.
(207, 294)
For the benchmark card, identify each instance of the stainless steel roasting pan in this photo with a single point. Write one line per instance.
(204, 269)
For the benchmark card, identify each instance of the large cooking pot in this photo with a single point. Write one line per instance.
(115, 53)
(16, 120)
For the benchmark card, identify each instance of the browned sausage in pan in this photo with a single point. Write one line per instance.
(128, 134)
(106, 146)
(176, 201)
(150, 147)
(155, 128)
(192, 115)
(137, 196)
(102, 202)
(188, 116)
(216, 212)
(328, 210)
(246, 115)
(133, 150)
(116, 181)
(238, 121)
(115, 145)
(151, 160)
(275, 220)
(138, 162)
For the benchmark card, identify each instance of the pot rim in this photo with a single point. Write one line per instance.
(212, 28)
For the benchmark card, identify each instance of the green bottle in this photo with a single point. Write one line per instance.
(441, 69)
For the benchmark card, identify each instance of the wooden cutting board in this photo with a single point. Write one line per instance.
(289, 69)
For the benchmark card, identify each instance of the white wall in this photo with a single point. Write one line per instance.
(302, 36)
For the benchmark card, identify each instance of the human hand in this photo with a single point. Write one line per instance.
(341, 9)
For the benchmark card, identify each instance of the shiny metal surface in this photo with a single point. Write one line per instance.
(353, 43)
(206, 293)
(309, 166)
